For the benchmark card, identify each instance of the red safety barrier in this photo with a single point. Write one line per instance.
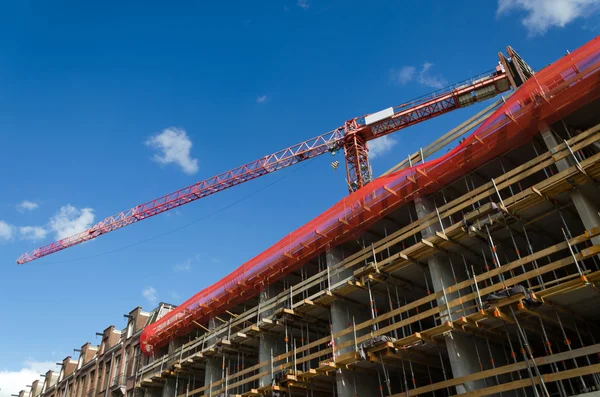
(550, 94)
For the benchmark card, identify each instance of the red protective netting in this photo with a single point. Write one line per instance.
(550, 94)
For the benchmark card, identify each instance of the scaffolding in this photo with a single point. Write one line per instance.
(563, 86)
(474, 273)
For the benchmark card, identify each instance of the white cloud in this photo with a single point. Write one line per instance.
(428, 80)
(542, 15)
(27, 205)
(184, 266)
(261, 99)
(70, 220)
(7, 231)
(380, 146)
(150, 294)
(173, 213)
(174, 146)
(423, 76)
(402, 75)
(303, 4)
(12, 382)
(33, 233)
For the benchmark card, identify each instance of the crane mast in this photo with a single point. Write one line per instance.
(352, 138)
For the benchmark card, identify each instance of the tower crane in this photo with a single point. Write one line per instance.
(351, 137)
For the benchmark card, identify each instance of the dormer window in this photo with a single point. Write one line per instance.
(130, 329)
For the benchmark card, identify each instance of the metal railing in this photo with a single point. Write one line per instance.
(201, 343)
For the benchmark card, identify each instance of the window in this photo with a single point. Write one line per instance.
(92, 387)
(81, 391)
(106, 375)
(116, 369)
(136, 357)
(130, 328)
(99, 380)
(127, 362)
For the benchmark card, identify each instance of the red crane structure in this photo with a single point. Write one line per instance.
(352, 137)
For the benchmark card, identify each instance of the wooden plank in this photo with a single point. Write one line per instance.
(347, 358)
(380, 346)
(201, 326)
(310, 373)
(325, 367)
(325, 299)
(437, 330)
(252, 393)
(252, 331)
(239, 335)
(409, 340)
(553, 377)
(588, 350)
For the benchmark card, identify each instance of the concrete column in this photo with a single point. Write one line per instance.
(213, 371)
(349, 383)
(169, 388)
(461, 352)
(585, 197)
(270, 345)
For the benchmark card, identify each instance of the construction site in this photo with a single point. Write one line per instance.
(471, 267)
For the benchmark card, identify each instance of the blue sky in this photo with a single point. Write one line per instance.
(107, 105)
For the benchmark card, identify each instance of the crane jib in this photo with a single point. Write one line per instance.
(351, 137)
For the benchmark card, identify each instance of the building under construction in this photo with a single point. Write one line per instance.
(469, 268)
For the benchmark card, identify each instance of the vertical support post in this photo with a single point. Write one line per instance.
(449, 314)
(295, 362)
(527, 355)
(440, 220)
(374, 256)
(568, 343)
(572, 254)
(479, 301)
(371, 304)
(272, 371)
